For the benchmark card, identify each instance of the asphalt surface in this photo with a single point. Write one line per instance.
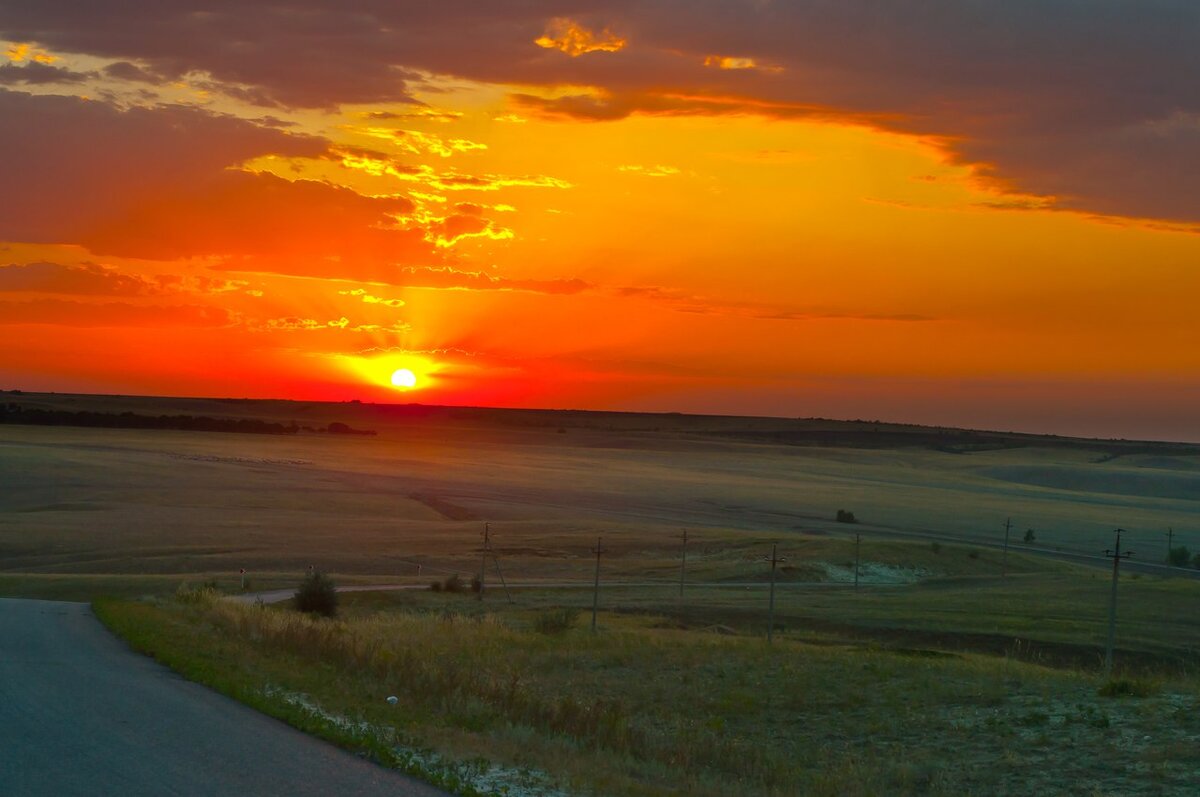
(81, 714)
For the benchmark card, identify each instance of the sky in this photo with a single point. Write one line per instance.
(957, 212)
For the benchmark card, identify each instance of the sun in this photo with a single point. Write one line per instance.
(404, 378)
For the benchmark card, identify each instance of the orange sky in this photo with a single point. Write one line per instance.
(595, 209)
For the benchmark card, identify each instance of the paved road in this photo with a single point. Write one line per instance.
(80, 714)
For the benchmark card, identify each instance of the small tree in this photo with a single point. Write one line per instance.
(845, 517)
(1029, 535)
(1196, 561)
(1179, 556)
(317, 595)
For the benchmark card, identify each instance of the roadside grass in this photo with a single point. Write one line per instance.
(648, 708)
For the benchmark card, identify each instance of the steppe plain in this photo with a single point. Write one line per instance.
(953, 668)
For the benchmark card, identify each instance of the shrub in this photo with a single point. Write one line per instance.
(555, 621)
(1030, 536)
(936, 547)
(453, 584)
(1179, 556)
(1126, 687)
(1196, 561)
(845, 517)
(476, 584)
(317, 595)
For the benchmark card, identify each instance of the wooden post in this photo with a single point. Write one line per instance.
(683, 564)
(857, 546)
(774, 560)
(596, 585)
(483, 557)
(1004, 567)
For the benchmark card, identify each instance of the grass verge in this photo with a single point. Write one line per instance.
(643, 709)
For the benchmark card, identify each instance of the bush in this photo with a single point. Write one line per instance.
(317, 595)
(476, 584)
(1179, 556)
(1126, 687)
(936, 547)
(1030, 536)
(555, 621)
(1196, 561)
(453, 584)
(845, 517)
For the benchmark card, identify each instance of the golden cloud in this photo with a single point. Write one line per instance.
(575, 40)
(738, 62)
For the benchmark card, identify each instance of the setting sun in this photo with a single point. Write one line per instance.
(404, 378)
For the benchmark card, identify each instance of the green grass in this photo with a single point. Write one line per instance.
(643, 708)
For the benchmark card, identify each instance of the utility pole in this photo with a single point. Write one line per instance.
(1004, 567)
(1170, 541)
(487, 551)
(1116, 555)
(683, 564)
(857, 546)
(487, 544)
(499, 572)
(774, 560)
(596, 585)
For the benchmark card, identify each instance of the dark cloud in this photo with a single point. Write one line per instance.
(88, 279)
(156, 183)
(1093, 103)
(36, 73)
(124, 70)
(68, 160)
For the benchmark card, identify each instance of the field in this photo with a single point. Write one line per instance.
(949, 655)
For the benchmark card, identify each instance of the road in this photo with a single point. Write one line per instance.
(81, 714)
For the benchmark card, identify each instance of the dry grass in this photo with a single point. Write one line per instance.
(645, 709)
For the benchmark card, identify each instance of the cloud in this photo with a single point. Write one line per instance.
(575, 40)
(378, 164)
(1057, 98)
(89, 279)
(683, 302)
(124, 70)
(452, 229)
(737, 62)
(62, 312)
(156, 183)
(36, 73)
(604, 106)
(257, 215)
(658, 170)
(448, 278)
(370, 299)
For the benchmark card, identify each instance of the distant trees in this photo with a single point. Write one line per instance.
(846, 517)
(12, 412)
(33, 416)
(1179, 556)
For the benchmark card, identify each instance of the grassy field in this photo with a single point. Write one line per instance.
(508, 698)
(950, 665)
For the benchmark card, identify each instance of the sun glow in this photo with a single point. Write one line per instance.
(404, 379)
